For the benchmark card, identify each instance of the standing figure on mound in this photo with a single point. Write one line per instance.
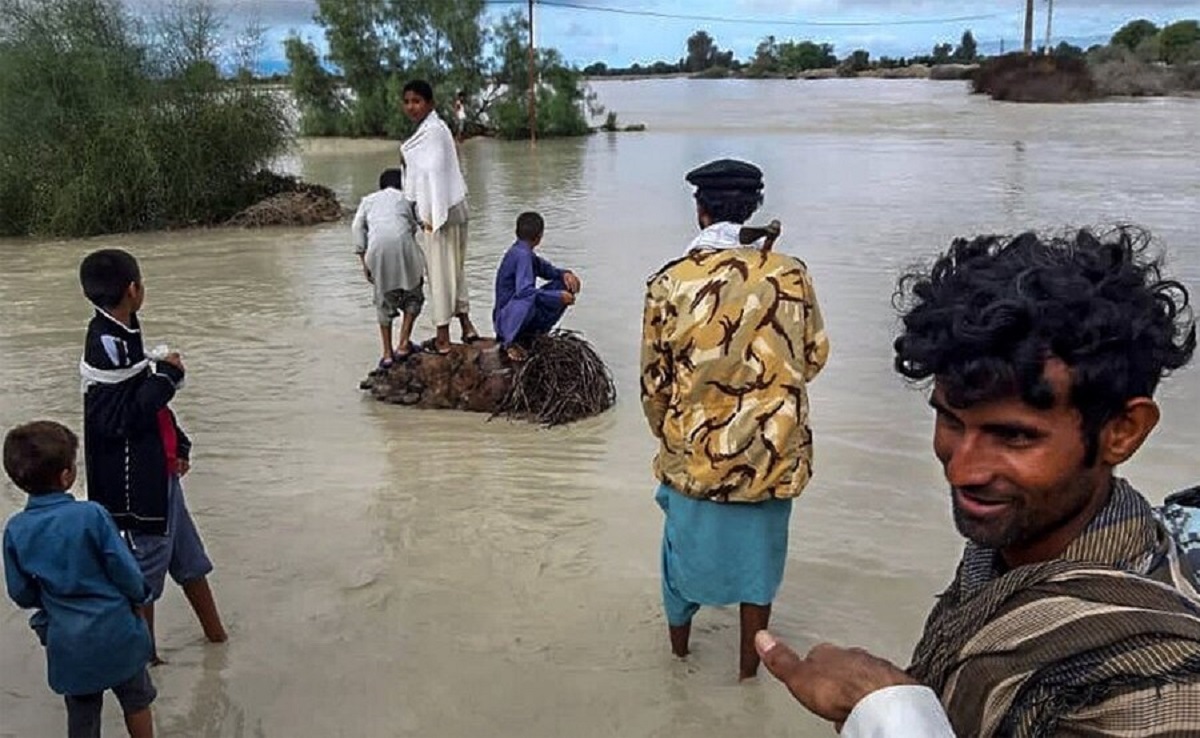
(732, 335)
(434, 182)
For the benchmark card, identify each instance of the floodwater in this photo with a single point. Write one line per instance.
(391, 572)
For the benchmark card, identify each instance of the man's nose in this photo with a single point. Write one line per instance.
(970, 463)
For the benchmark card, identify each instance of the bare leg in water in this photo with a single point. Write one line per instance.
(680, 635)
(754, 619)
(140, 724)
(199, 595)
(148, 615)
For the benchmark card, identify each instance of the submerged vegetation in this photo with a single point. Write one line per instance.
(111, 123)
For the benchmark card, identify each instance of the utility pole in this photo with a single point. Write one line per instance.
(1028, 27)
(1049, 23)
(533, 83)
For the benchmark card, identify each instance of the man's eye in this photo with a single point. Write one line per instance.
(1015, 435)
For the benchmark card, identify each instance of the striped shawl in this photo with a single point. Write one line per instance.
(1104, 641)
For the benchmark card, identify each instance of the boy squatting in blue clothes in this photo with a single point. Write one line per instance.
(135, 450)
(523, 310)
(66, 558)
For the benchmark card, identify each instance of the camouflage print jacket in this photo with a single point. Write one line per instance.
(730, 338)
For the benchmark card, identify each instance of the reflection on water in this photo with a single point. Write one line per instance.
(390, 572)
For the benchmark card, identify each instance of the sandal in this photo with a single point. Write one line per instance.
(473, 338)
(410, 349)
(383, 366)
(430, 347)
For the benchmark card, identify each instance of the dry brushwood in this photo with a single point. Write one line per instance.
(304, 207)
(561, 381)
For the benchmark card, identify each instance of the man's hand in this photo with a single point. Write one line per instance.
(830, 681)
(572, 282)
(184, 466)
(175, 360)
(567, 298)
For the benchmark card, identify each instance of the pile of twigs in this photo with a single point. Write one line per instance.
(309, 205)
(562, 380)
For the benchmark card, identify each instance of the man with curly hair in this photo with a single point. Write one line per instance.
(1072, 611)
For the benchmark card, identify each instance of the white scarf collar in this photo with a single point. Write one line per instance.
(723, 235)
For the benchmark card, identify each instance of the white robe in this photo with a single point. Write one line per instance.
(433, 180)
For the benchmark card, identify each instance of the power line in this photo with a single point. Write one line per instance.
(566, 4)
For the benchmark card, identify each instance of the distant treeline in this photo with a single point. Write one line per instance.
(1176, 43)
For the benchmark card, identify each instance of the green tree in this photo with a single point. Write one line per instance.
(1069, 51)
(859, 61)
(323, 110)
(1180, 42)
(1132, 34)
(378, 45)
(805, 55)
(943, 54)
(100, 131)
(701, 51)
(355, 35)
(562, 101)
(766, 58)
(1149, 51)
(967, 51)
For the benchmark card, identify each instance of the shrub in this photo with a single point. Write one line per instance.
(98, 136)
(1021, 78)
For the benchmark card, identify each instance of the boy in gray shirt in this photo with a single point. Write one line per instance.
(384, 232)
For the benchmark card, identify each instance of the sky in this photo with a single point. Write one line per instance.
(611, 31)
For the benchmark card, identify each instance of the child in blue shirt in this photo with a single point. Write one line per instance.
(65, 558)
(523, 309)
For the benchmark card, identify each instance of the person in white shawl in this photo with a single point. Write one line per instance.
(434, 182)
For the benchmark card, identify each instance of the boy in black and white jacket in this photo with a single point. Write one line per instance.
(135, 450)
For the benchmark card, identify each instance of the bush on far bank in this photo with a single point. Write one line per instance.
(100, 133)
(1110, 71)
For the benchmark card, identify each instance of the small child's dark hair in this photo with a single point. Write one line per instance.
(530, 226)
(105, 275)
(36, 454)
(393, 178)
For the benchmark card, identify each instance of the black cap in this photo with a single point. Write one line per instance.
(727, 175)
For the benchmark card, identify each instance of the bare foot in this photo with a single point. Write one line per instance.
(516, 353)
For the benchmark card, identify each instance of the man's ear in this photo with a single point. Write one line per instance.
(1125, 432)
